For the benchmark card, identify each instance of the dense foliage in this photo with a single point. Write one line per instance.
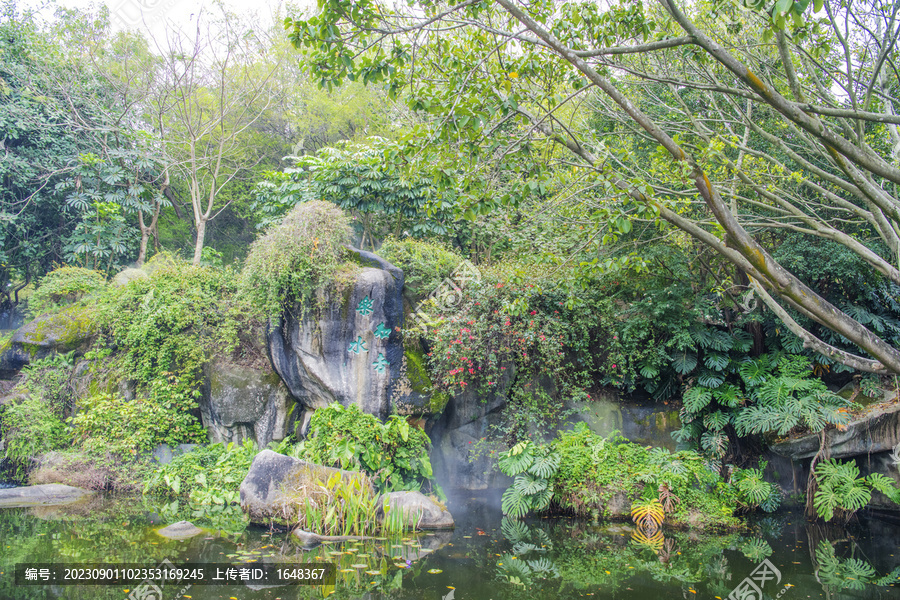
(394, 453)
(295, 257)
(582, 472)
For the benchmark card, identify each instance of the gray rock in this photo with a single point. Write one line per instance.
(40, 495)
(312, 353)
(164, 453)
(126, 276)
(277, 486)
(467, 418)
(71, 329)
(310, 539)
(425, 545)
(419, 511)
(878, 431)
(240, 402)
(181, 530)
(619, 506)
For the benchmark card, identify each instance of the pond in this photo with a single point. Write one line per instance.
(486, 557)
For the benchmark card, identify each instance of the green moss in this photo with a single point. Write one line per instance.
(420, 381)
(67, 328)
(415, 371)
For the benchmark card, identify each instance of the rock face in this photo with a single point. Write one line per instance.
(877, 432)
(59, 332)
(459, 462)
(869, 441)
(467, 419)
(181, 530)
(41, 495)
(240, 402)
(277, 486)
(345, 349)
(419, 511)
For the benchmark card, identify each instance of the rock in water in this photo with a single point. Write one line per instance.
(419, 511)
(181, 530)
(41, 495)
(277, 487)
(346, 347)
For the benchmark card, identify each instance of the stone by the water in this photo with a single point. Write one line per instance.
(277, 486)
(181, 530)
(419, 511)
(41, 495)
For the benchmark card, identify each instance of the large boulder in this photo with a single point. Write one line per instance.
(277, 487)
(418, 511)
(240, 402)
(67, 330)
(346, 347)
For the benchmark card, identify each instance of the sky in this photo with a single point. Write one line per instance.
(152, 15)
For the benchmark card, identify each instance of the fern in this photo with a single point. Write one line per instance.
(885, 485)
(684, 362)
(697, 398)
(529, 485)
(710, 379)
(715, 421)
(514, 504)
(544, 466)
(716, 361)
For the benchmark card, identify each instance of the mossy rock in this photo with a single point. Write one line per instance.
(69, 330)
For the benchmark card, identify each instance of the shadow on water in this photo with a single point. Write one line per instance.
(485, 558)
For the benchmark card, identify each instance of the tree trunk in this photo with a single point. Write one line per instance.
(145, 238)
(198, 247)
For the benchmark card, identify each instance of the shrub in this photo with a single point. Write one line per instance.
(113, 425)
(50, 381)
(841, 491)
(30, 428)
(393, 453)
(207, 475)
(771, 394)
(425, 265)
(64, 285)
(295, 257)
(581, 472)
(172, 320)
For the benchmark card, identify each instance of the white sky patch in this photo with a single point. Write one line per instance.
(154, 17)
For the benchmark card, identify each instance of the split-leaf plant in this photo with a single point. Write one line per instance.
(841, 491)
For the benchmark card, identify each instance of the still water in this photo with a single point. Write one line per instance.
(485, 558)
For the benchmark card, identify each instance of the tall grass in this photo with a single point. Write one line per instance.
(345, 506)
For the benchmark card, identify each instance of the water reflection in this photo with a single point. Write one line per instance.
(486, 558)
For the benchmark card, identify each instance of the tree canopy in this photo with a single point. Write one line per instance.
(733, 123)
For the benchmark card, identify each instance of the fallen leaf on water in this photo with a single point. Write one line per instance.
(435, 571)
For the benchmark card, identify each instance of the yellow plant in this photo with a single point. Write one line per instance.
(648, 514)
